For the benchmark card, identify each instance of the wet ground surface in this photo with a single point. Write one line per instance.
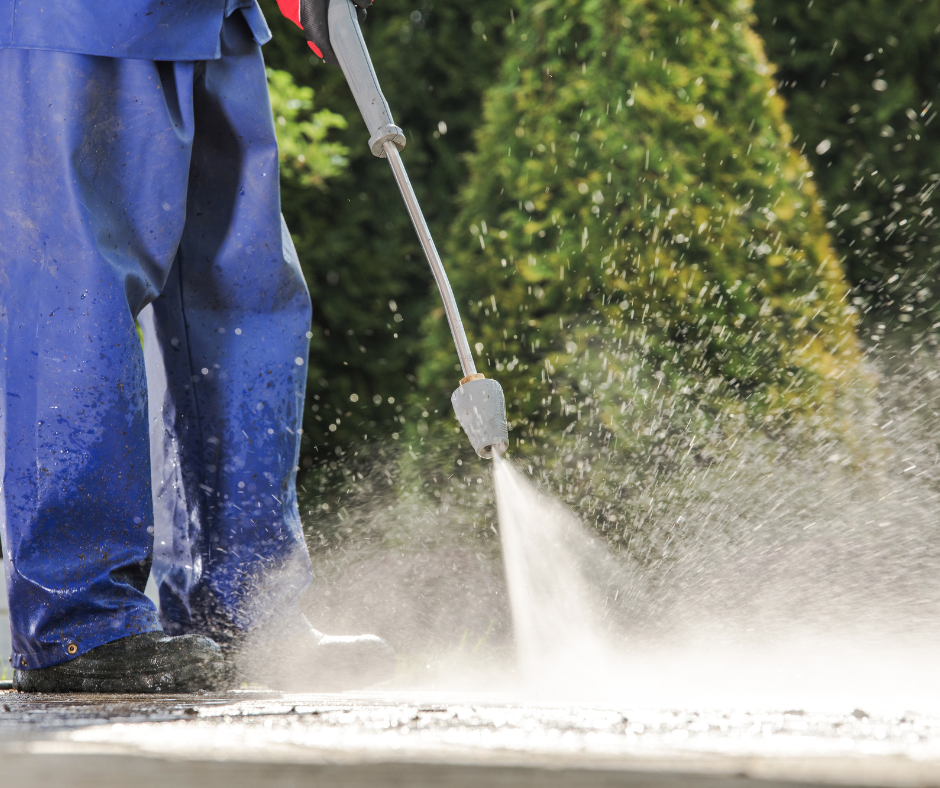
(433, 739)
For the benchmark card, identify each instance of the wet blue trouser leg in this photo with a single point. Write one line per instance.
(126, 182)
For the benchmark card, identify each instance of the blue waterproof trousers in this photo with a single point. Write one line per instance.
(125, 183)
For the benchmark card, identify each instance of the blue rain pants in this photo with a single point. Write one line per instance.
(126, 183)
(151, 29)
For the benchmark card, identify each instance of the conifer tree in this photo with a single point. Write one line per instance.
(639, 249)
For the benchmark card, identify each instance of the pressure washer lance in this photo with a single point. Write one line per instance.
(478, 401)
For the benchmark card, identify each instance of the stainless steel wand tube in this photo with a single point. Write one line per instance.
(434, 259)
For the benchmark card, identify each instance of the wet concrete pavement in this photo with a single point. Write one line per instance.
(435, 739)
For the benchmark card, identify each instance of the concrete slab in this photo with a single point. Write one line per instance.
(432, 739)
(96, 772)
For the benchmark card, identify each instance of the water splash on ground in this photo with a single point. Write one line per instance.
(777, 574)
(727, 629)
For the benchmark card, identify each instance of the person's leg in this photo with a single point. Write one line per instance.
(94, 182)
(228, 347)
(229, 344)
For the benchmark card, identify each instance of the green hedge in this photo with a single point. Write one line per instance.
(640, 253)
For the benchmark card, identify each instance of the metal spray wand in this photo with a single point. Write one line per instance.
(478, 402)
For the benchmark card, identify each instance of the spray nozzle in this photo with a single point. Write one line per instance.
(481, 410)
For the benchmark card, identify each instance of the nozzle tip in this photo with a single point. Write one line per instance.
(481, 410)
(493, 450)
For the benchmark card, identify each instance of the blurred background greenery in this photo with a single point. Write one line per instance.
(684, 207)
(860, 80)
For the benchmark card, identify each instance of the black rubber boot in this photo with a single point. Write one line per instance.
(152, 662)
(309, 661)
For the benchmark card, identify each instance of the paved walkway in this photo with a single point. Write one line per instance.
(430, 739)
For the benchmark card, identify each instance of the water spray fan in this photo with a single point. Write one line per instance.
(478, 401)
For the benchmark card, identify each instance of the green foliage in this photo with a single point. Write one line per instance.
(368, 278)
(861, 79)
(639, 249)
(306, 157)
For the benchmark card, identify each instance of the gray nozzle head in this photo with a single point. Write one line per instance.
(481, 411)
